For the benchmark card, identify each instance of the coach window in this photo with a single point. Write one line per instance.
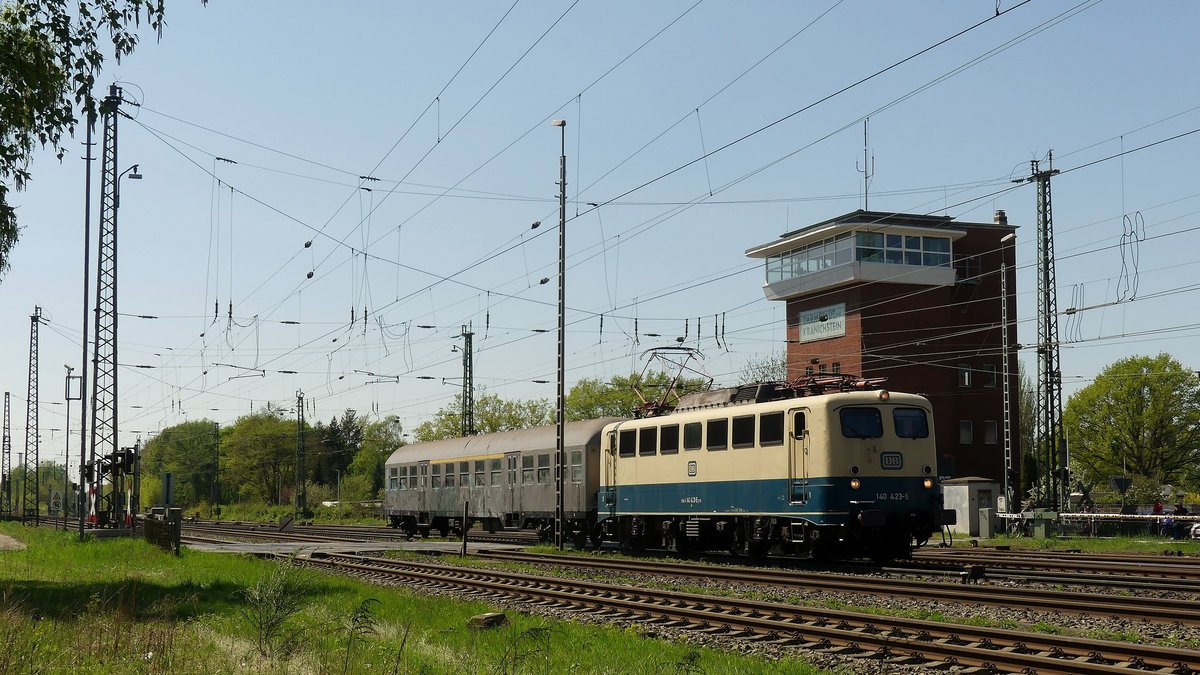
(770, 428)
(693, 436)
(543, 467)
(966, 432)
(495, 473)
(480, 471)
(627, 442)
(512, 469)
(648, 441)
(404, 478)
(436, 477)
(393, 480)
(910, 423)
(527, 469)
(743, 431)
(464, 474)
(668, 439)
(576, 466)
(861, 422)
(718, 434)
(448, 480)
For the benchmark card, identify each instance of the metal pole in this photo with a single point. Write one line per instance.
(87, 242)
(1005, 370)
(62, 503)
(560, 440)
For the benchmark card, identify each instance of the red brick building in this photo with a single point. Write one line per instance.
(915, 299)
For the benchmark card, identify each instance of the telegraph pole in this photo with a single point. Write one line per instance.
(468, 385)
(560, 435)
(87, 244)
(29, 499)
(1052, 451)
(6, 464)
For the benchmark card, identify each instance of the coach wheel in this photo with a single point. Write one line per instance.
(424, 532)
(579, 539)
(445, 531)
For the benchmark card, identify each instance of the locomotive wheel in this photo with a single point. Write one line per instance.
(758, 549)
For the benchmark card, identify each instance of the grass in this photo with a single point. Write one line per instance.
(1132, 545)
(122, 606)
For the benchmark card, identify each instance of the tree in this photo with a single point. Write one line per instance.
(1027, 436)
(258, 456)
(618, 397)
(188, 451)
(765, 368)
(49, 57)
(492, 414)
(1140, 415)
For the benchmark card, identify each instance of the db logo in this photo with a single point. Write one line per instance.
(891, 460)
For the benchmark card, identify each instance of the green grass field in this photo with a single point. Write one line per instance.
(123, 606)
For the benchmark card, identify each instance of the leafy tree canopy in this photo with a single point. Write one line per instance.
(765, 368)
(50, 54)
(618, 396)
(188, 451)
(1141, 413)
(258, 455)
(492, 414)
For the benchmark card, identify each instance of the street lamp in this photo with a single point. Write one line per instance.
(133, 175)
(560, 441)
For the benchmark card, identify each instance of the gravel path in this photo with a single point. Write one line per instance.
(7, 543)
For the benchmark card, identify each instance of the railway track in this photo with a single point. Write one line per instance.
(1168, 610)
(1163, 568)
(222, 532)
(889, 640)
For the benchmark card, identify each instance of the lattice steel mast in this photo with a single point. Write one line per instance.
(468, 385)
(103, 437)
(301, 492)
(1052, 456)
(29, 486)
(6, 464)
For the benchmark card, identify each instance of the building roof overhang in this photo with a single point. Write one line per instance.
(877, 221)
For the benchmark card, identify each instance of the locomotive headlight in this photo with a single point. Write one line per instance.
(928, 483)
(884, 395)
(855, 483)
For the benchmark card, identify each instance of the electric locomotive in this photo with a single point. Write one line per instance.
(825, 467)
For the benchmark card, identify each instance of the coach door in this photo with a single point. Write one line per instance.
(422, 485)
(608, 479)
(510, 471)
(798, 441)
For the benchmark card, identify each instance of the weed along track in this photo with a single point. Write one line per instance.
(1161, 569)
(885, 639)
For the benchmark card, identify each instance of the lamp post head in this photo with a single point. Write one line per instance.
(133, 173)
(558, 123)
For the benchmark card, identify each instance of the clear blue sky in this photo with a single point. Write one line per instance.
(308, 96)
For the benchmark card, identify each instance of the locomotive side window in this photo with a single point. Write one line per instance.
(910, 423)
(861, 422)
(743, 431)
(770, 429)
(576, 466)
(693, 436)
(543, 473)
(627, 442)
(648, 441)
(479, 473)
(527, 469)
(718, 434)
(436, 478)
(495, 473)
(464, 474)
(668, 439)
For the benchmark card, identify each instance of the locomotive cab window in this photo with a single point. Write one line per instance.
(693, 436)
(648, 441)
(668, 439)
(770, 429)
(861, 422)
(718, 434)
(743, 431)
(627, 443)
(910, 423)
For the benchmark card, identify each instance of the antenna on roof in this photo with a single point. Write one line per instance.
(868, 165)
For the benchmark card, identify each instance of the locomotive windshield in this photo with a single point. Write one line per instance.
(910, 423)
(861, 422)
